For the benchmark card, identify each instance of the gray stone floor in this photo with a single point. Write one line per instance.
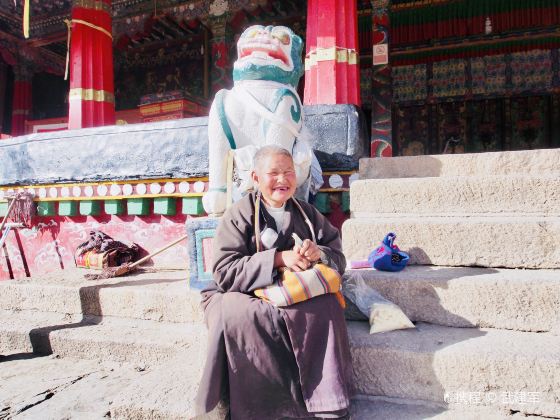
(48, 387)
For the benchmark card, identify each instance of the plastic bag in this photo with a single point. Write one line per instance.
(383, 315)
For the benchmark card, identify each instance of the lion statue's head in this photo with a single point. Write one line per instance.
(269, 53)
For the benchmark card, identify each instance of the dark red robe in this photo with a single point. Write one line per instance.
(271, 362)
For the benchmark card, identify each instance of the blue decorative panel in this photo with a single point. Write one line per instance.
(200, 260)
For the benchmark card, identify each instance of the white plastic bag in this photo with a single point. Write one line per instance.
(383, 315)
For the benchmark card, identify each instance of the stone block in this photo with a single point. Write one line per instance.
(3, 208)
(522, 300)
(90, 207)
(67, 208)
(114, 207)
(322, 202)
(165, 206)
(163, 296)
(178, 147)
(345, 201)
(340, 135)
(112, 339)
(528, 162)
(193, 206)
(498, 194)
(508, 241)
(46, 208)
(138, 206)
(431, 362)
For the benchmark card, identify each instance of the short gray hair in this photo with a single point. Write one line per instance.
(267, 151)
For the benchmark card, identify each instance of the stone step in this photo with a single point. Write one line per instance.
(523, 300)
(32, 387)
(490, 194)
(158, 296)
(511, 370)
(535, 162)
(379, 408)
(115, 339)
(168, 391)
(510, 242)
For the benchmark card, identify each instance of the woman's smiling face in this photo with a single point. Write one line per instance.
(276, 179)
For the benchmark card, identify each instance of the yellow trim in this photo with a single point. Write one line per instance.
(85, 184)
(119, 197)
(340, 173)
(91, 95)
(337, 54)
(333, 189)
(93, 5)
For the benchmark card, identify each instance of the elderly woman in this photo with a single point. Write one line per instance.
(269, 362)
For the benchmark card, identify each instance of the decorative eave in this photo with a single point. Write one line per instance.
(21, 50)
(476, 46)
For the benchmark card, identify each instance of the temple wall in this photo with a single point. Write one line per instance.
(140, 183)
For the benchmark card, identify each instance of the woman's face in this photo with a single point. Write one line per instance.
(276, 179)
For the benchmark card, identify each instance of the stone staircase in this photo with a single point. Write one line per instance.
(485, 299)
(136, 329)
(134, 347)
(484, 346)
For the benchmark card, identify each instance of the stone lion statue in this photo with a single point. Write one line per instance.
(262, 108)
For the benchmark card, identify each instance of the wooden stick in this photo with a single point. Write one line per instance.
(147, 257)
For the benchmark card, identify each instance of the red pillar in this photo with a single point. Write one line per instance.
(91, 97)
(331, 63)
(21, 103)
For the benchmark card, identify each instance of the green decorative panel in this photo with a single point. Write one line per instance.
(3, 209)
(138, 206)
(165, 206)
(90, 207)
(67, 208)
(193, 206)
(46, 208)
(346, 201)
(115, 207)
(322, 202)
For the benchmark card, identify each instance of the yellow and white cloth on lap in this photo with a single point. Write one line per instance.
(298, 286)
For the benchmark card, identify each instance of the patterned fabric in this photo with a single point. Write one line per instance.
(531, 71)
(409, 83)
(488, 75)
(449, 78)
(295, 287)
(93, 259)
(101, 251)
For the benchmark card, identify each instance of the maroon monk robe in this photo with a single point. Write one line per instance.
(270, 362)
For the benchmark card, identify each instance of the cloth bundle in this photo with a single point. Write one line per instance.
(298, 286)
(101, 251)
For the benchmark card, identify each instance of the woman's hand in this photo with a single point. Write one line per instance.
(309, 250)
(291, 259)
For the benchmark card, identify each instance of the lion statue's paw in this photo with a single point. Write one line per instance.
(215, 202)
